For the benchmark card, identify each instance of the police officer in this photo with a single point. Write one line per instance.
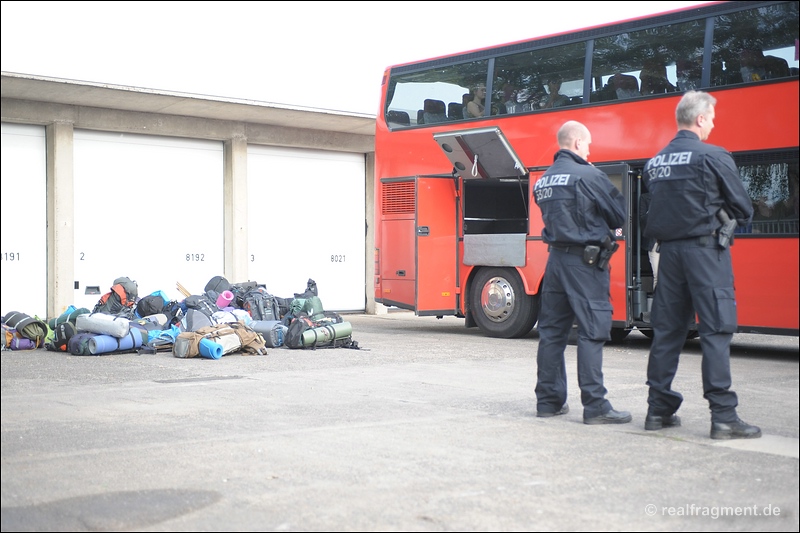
(690, 181)
(580, 206)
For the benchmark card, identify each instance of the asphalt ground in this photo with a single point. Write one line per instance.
(429, 426)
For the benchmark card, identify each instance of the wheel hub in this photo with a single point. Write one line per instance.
(497, 299)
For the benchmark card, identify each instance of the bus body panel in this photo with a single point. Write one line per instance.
(765, 279)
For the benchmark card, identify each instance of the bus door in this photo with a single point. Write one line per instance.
(628, 289)
(436, 243)
(417, 260)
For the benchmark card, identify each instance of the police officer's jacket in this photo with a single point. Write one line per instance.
(689, 181)
(579, 203)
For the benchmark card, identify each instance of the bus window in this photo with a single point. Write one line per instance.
(541, 79)
(437, 92)
(644, 63)
(774, 191)
(742, 55)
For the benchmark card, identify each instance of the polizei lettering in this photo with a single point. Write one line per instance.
(552, 180)
(544, 187)
(661, 165)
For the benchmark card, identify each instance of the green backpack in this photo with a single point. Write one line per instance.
(29, 327)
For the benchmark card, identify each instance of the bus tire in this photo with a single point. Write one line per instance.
(499, 304)
(619, 334)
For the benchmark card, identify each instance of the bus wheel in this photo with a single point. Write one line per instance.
(499, 304)
(619, 334)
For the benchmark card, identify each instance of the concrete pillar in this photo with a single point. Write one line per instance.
(370, 307)
(60, 226)
(235, 202)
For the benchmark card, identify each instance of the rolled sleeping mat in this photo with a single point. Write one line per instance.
(210, 349)
(263, 326)
(106, 343)
(224, 299)
(325, 334)
(273, 331)
(104, 324)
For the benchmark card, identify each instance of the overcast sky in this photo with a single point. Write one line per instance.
(327, 55)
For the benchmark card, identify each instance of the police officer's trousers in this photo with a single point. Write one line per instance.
(573, 291)
(695, 275)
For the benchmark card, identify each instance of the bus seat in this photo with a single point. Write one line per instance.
(455, 111)
(398, 117)
(625, 85)
(420, 116)
(434, 111)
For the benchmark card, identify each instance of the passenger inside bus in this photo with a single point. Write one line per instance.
(625, 85)
(654, 78)
(475, 105)
(510, 98)
(554, 97)
(755, 66)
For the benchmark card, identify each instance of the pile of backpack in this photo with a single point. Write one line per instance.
(225, 318)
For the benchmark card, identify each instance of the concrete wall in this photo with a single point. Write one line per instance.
(61, 119)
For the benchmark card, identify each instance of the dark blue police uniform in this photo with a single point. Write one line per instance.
(689, 182)
(580, 206)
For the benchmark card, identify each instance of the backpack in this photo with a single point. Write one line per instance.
(311, 290)
(284, 304)
(231, 336)
(239, 290)
(216, 286)
(222, 334)
(27, 326)
(174, 312)
(120, 300)
(328, 331)
(187, 344)
(152, 304)
(252, 341)
(69, 315)
(194, 319)
(201, 303)
(294, 333)
(78, 344)
(311, 306)
(62, 333)
(261, 305)
(12, 340)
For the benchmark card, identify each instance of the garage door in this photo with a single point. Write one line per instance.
(306, 219)
(149, 208)
(23, 242)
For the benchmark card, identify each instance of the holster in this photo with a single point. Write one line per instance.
(605, 255)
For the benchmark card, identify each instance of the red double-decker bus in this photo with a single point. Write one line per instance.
(456, 230)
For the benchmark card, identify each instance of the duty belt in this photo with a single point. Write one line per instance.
(574, 249)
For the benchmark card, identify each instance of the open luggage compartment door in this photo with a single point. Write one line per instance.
(481, 153)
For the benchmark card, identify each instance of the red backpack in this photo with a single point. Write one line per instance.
(120, 300)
